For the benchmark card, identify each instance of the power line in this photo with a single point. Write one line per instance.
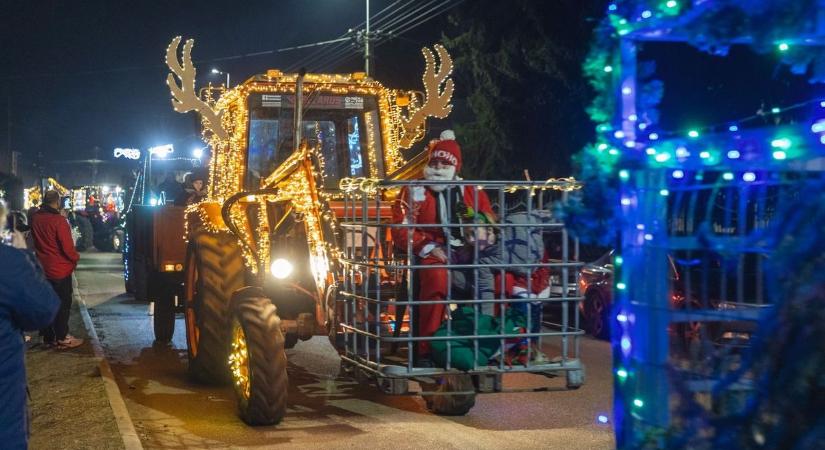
(427, 19)
(321, 54)
(404, 27)
(409, 13)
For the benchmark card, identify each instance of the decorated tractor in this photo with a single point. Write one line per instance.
(294, 239)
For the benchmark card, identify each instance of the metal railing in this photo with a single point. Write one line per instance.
(379, 303)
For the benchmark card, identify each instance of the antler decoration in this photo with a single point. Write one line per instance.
(184, 98)
(437, 100)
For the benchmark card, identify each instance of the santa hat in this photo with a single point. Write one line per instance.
(446, 151)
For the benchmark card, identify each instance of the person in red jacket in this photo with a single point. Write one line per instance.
(435, 204)
(55, 249)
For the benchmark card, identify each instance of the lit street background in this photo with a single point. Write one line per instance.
(170, 411)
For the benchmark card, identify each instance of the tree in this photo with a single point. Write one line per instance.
(520, 94)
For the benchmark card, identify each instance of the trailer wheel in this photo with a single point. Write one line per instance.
(117, 240)
(257, 360)
(451, 405)
(214, 270)
(164, 318)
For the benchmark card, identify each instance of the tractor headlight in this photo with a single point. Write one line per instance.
(281, 268)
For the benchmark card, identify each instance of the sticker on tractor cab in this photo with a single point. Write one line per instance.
(353, 103)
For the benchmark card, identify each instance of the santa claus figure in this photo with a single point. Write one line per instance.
(438, 203)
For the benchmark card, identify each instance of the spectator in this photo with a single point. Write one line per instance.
(19, 229)
(27, 303)
(169, 189)
(195, 190)
(55, 250)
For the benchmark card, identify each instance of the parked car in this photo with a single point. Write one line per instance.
(596, 284)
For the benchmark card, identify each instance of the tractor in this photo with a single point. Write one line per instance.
(266, 260)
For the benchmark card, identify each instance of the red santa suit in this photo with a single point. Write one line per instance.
(431, 205)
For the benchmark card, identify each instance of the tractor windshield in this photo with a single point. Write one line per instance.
(343, 127)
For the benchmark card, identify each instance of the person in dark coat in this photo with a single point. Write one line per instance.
(27, 303)
(55, 250)
(195, 190)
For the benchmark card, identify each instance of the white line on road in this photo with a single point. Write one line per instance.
(124, 422)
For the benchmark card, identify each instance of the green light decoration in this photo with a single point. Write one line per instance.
(624, 141)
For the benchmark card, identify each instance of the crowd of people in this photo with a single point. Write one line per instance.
(35, 294)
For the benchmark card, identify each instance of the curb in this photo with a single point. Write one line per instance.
(131, 441)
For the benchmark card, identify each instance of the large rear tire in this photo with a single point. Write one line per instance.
(214, 270)
(451, 404)
(258, 361)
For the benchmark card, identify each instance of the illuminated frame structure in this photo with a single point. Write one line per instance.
(651, 171)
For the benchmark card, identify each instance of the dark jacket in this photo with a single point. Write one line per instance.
(53, 243)
(27, 302)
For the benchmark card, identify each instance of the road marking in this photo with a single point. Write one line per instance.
(124, 422)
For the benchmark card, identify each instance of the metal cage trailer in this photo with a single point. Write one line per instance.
(379, 304)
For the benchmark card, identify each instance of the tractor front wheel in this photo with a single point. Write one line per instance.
(257, 360)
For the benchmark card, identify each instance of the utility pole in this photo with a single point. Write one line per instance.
(367, 43)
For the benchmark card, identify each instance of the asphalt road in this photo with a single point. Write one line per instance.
(170, 411)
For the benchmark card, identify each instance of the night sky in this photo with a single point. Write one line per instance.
(91, 73)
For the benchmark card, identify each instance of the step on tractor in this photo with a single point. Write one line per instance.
(294, 240)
